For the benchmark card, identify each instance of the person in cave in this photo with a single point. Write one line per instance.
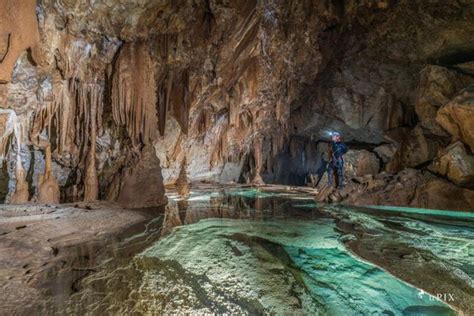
(336, 163)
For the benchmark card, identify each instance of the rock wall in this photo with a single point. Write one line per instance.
(243, 91)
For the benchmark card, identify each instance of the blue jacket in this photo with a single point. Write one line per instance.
(338, 149)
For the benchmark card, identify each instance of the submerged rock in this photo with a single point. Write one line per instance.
(253, 267)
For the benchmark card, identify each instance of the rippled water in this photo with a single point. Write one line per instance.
(251, 252)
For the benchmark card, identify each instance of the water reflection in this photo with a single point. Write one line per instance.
(250, 252)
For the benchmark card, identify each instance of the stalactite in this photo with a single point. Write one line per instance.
(180, 100)
(203, 120)
(133, 93)
(182, 183)
(48, 186)
(75, 114)
(164, 88)
(219, 152)
(8, 122)
(177, 148)
(245, 120)
(70, 115)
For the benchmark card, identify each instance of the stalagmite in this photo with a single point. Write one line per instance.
(257, 146)
(17, 126)
(133, 93)
(91, 183)
(182, 183)
(21, 194)
(47, 183)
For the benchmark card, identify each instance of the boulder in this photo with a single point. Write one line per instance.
(457, 117)
(386, 152)
(437, 193)
(360, 162)
(467, 67)
(410, 187)
(455, 164)
(420, 146)
(437, 86)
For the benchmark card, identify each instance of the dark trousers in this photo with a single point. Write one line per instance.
(336, 168)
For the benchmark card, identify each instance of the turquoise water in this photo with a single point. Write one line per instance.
(424, 211)
(244, 251)
(288, 267)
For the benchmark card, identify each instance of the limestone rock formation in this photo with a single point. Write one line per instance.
(182, 183)
(360, 162)
(142, 183)
(18, 32)
(21, 194)
(455, 164)
(386, 152)
(48, 188)
(410, 188)
(437, 86)
(457, 117)
(419, 146)
(235, 87)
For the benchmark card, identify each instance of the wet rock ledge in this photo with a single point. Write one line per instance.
(45, 250)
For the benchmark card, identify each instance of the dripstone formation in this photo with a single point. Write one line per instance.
(104, 100)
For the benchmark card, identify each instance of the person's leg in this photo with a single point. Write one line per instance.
(330, 172)
(340, 175)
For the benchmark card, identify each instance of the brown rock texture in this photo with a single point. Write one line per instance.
(409, 188)
(436, 87)
(48, 188)
(142, 184)
(457, 117)
(360, 162)
(18, 31)
(418, 147)
(247, 91)
(182, 183)
(456, 164)
(21, 194)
